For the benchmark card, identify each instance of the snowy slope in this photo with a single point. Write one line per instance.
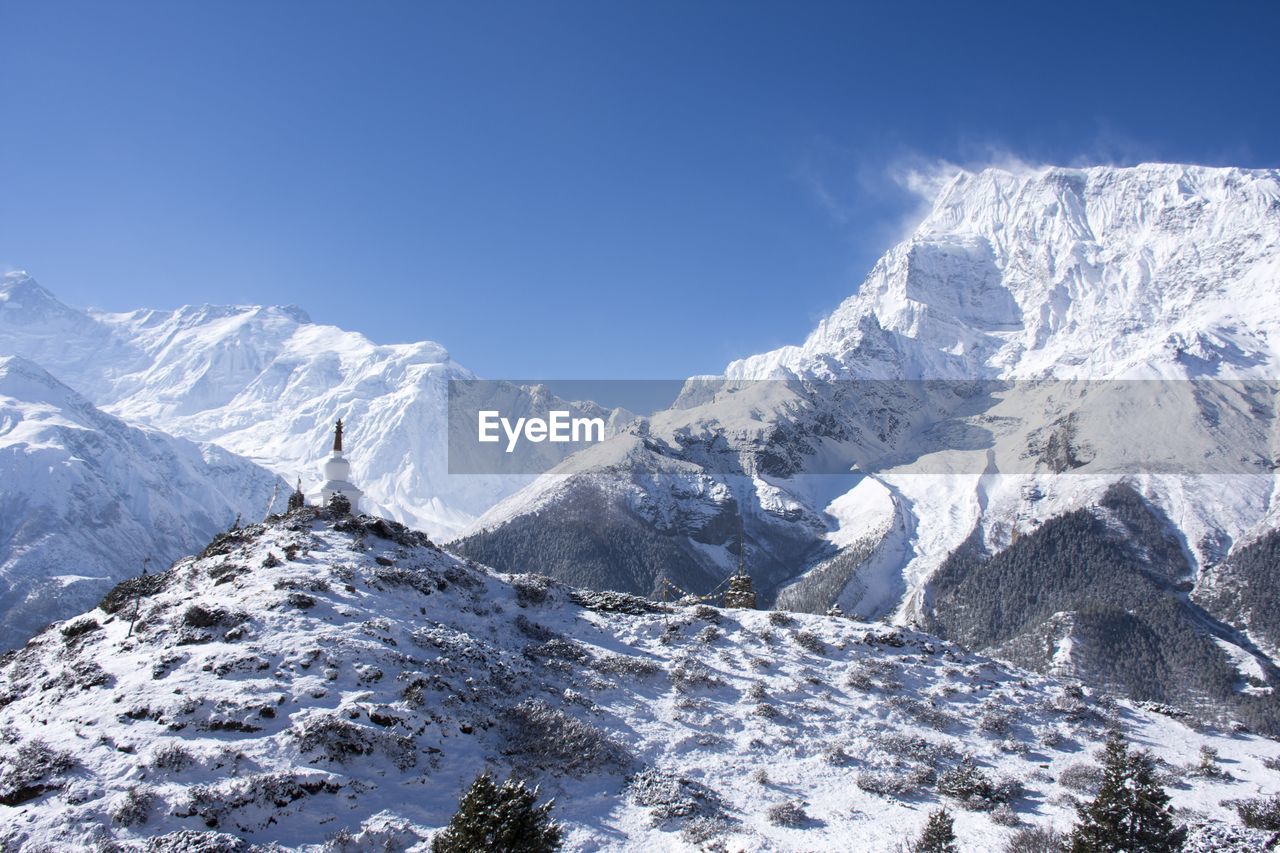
(319, 680)
(86, 498)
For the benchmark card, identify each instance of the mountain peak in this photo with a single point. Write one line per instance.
(21, 289)
(1057, 271)
(25, 380)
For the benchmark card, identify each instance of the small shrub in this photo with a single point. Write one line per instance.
(1260, 813)
(28, 771)
(533, 630)
(766, 711)
(892, 638)
(172, 757)
(531, 589)
(915, 748)
(809, 642)
(671, 797)
(338, 740)
(757, 692)
(709, 634)
(625, 665)
(1037, 839)
(997, 721)
(558, 648)
(789, 814)
(196, 616)
(701, 830)
(924, 712)
(1053, 739)
(888, 783)
(550, 739)
(212, 803)
(493, 817)
(125, 592)
(74, 630)
(616, 602)
(707, 614)
(1081, 777)
(1004, 815)
(860, 678)
(779, 619)
(1209, 768)
(760, 776)
(133, 807)
(689, 674)
(837, 757)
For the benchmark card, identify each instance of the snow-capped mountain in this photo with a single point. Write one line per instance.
(983, 379)
(329, 682)
(268, 384)
(86, 498)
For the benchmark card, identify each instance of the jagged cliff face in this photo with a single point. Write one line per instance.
(1155, 270)
(320, 678)
(854, 480)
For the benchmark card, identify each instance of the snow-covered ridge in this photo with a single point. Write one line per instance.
(318, 678)
(87, 498)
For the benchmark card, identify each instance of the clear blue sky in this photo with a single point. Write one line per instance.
(596, 189)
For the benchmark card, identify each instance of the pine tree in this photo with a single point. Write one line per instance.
(938, 836)
(501, 819)
(1131, 812)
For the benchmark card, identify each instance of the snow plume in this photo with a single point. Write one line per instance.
(925, 178)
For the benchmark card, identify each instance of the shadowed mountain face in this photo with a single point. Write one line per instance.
(1100, 594)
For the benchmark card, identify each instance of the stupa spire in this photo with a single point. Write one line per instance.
(337, 475)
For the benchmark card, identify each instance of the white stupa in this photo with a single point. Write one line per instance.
(337, 474)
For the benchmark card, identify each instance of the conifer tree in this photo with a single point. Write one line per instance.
(938, 836)
(1131, 812)
(501, 819)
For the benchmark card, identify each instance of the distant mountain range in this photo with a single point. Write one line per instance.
(256, 390)
(937, 452)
